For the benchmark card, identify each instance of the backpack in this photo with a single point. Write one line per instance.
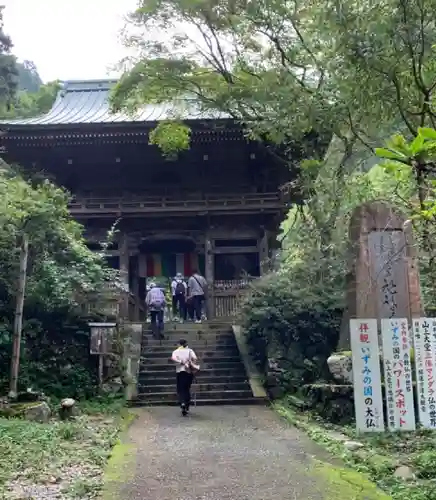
(158, 302)
(180, 288)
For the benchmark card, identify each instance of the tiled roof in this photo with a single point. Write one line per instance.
(87, 102)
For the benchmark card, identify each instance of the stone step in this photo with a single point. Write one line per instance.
(191, 338)
(150, 378)
(210, 365)
(193, 327)
(200, 351)
(169, 371)
(214, 371)
(203, 402)
(200, 387)
(166, 397)
(173, 344)
(151, 359)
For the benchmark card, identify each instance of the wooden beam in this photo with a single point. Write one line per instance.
(116, 253)
(228, 234)
(228, 250)
(135, 290)
(209, 274)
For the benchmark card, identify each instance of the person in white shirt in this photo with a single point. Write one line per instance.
(183, 356)
(178, 290)
(197, 288)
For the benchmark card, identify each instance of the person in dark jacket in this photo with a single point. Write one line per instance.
(178, 290)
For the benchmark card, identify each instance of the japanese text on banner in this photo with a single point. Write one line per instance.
(398, 374)
(424, 335)
(366, 375)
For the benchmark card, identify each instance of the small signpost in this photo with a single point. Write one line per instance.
(102, 335)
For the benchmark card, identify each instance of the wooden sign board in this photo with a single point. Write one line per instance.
(101, 337)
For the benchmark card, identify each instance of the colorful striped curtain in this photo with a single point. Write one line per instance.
(170, 264)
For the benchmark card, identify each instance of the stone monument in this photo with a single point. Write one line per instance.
(383, 278)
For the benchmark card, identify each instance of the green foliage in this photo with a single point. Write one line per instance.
(55, 355)
(421, 150)
(62, 270)
(28, 77)
(59, 458)
(170, 137)
(380, 455)
(27, 104)
(8, 68)
(281, 323)
(62, 274)
(285, 68)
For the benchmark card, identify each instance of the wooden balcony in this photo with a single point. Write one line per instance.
(242, 203)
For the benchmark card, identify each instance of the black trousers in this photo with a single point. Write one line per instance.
(157, 322)
(197, 303)
(184, 382)
(179, 306)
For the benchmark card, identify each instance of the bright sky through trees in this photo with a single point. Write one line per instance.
(68, 40)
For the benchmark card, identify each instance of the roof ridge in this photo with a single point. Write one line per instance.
(88, 85)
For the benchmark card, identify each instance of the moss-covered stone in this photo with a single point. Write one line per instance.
(37, 411)
(342, 483)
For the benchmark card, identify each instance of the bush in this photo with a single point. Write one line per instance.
(55, 355)
(288, 334)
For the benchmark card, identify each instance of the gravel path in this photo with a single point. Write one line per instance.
(220, 453)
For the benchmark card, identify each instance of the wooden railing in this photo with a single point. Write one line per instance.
(227, 296)
(117, 303)
(169, 204)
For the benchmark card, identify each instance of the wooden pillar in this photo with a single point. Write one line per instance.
(209, 272)
(264, 261)
(123, 245)
(135, 288)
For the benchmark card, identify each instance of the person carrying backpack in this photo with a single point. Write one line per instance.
(178, 289)
(155, 302)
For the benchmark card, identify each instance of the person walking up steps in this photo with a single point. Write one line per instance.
(178, 290)
(186, 367)
(155, 302)
(197, 290)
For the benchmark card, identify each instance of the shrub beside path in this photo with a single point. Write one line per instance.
(220, 453)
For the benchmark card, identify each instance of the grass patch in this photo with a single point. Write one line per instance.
(380, 455)
(64, 458)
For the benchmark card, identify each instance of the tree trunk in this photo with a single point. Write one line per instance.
(18, 320)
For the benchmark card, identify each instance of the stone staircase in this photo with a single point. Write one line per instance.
(222, 378)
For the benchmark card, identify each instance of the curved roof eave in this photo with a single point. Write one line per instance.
(86, 102)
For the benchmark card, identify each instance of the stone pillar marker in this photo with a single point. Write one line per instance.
(383, 279)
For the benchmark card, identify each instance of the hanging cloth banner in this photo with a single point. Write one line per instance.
(424, 337)
(368, 400)
(398, 374)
